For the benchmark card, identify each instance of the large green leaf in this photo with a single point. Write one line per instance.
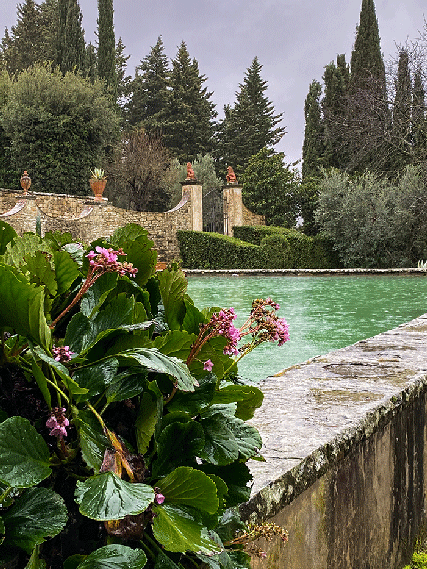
(93, 441)
(114, 556)
(127, 384)
(41, 271)
(194, 401)
(97, 294)
(175, 342)
(165, 562)
(236, 476)
(177, 445)
(41, 382)
(39, 513)
(193, 317)
(190, 487)
(24, 246)
(138, 248)
(150, 411)
(7, 233)
(24, 455)
(220, 444)
(179, 528)
(173, 286)
(83, 333)
(248, 398)
(154, 360)
(22, 306)
(66, 270)
(227, 437)
(97, 377)
(108, 497)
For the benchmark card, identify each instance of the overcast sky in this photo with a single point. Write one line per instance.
(293, 39)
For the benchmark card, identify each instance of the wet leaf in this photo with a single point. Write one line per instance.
(189, 487)
(106, 497)
(24, 455)
(39, 513)
(114, 557)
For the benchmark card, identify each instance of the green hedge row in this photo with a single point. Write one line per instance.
(257, 248)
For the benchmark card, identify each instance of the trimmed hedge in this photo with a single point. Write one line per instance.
(201, 250)
(263, 248)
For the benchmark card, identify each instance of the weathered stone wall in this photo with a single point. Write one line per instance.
(87, 219)
(346, 469)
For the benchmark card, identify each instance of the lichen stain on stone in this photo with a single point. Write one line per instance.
(340, 396)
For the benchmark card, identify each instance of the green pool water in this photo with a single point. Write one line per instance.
(323, 313)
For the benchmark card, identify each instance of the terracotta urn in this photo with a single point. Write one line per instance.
(25, 182)
(98, 186)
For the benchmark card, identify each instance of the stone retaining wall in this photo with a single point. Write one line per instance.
(346, 469)
(88, 220)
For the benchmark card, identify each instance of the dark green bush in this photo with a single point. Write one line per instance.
(200, 250)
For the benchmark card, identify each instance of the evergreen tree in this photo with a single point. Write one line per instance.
(368, 117)
(250, 125)
(188, 128)
(334, 107)
(71, 47)
(107, 44)
(419, 125)
(312, 150)
(123, 81)
(25, 45)
(150, 93)
(91, 65)
(401, 131)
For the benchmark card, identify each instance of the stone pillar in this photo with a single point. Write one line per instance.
(233, 207)
(193, 190)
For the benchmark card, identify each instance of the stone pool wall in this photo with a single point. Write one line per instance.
(344, 442)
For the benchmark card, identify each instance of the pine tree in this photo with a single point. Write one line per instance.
(313, 147)
(23, 46)
(401, 131)
(368, 115)
(334, 107)
(123, 81)
(188, 127)
(71, 47)
(250, 125)
(107, 44)
(150, 92)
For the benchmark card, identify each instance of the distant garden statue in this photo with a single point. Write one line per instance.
(190, 172)
(231, 176)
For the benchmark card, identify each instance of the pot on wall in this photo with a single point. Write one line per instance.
(97, 186)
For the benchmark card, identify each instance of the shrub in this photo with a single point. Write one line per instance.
(115, 403)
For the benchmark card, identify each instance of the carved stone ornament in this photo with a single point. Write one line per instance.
(25, 181)
(231, 176)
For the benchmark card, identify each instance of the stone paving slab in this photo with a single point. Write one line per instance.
(330, 396)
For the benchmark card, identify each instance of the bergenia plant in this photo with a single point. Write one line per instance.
(123, 439)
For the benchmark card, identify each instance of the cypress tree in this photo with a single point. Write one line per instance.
(401, 131)
(188, 127)
(368, 116)
(312, 150)
(71, 47)
(334, 107)
(150, 90)
(251, 124)
(419, 125)
(107, 44)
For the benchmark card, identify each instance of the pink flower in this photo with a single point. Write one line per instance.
(57, 423)
(105, 260)
(208, 365)
(62, 353)
(158, 497)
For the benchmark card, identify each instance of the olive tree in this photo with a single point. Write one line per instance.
(60, 128)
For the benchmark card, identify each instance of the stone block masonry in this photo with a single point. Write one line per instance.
(345, 437)
(88, 220)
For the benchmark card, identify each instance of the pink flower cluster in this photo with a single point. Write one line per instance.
(222, 324)
(105, 260)
(62, 354)
(58, 423)
(264, 325)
